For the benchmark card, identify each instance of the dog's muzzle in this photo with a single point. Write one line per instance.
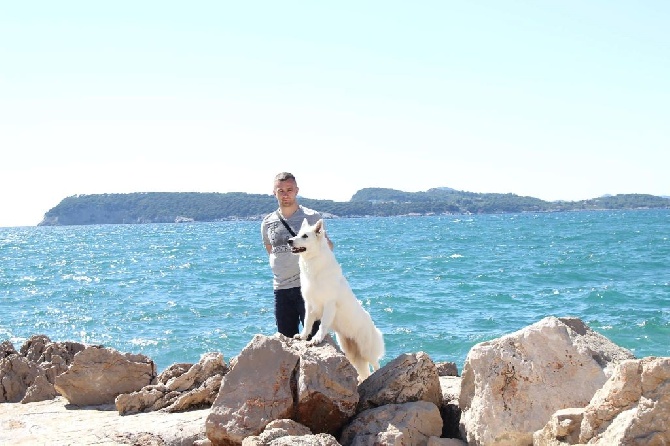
(296, 250)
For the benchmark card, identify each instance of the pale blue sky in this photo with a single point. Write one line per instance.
(556, 100)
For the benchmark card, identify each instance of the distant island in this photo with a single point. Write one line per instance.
(180, 207)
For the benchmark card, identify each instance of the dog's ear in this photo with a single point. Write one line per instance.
(318, 227)
(305, 224)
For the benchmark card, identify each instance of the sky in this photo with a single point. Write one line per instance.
(559, 100)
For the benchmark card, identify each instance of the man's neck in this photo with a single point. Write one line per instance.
(288, 210)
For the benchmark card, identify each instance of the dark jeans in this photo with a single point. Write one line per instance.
(290, 312)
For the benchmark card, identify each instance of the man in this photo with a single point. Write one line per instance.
(289, 304)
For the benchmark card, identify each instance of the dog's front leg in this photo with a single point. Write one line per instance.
(310, 319)
(327, 318)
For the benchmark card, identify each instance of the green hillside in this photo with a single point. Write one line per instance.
(171, 207)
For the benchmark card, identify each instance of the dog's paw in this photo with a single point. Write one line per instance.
(317, 339)
(300, 337)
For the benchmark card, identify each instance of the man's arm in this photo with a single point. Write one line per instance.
(268, 248)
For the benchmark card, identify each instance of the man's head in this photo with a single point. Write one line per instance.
(285, 189)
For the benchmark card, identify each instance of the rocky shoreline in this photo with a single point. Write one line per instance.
(555, 382)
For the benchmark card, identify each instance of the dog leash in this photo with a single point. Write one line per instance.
(285, 223)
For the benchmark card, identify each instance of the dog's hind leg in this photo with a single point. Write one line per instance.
(353, 353)
(362, 366)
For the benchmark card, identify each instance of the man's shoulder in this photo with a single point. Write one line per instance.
(269, 217)
(308, 211)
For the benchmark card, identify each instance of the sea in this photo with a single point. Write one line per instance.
(436, 284)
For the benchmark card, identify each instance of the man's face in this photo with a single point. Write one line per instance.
(286, 191)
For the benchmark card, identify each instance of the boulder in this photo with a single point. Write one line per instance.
(406, 424)
(41, 389)
(512, 385)
(407, 378)
(277, 378)
(17, 375)
(446, 368)
(98, 375)
(29, 374)
(633, 407)
(40, 349)
(327, 392)
(53, 357)
(256, 391)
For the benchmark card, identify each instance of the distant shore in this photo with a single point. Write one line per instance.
(188, 207)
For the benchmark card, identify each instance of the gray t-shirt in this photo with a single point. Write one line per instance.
(283, 262)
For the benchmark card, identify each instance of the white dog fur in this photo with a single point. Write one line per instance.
(329, 298)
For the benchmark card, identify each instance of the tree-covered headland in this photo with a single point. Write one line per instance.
(171, 207)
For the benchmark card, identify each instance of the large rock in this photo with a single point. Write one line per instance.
(279, 378)
(409, 377)
(633, 407)
(29, 374)
(98, 375)
(53, 357)
(512, 385)
(407, 424)
(327, 392)
(256, 391)
(17, 375)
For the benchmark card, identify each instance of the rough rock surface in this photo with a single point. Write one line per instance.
(55, 422)
(180, 387)
(326, 392)
(256, 391)
(98, 375)
(316, 384)
(405, 424)
(512, 385)
(276, 429)
(17, 375)
(409, 377)
(633, 407)
(29, 374)
(289, 433)
(277, 377)
(446, 368)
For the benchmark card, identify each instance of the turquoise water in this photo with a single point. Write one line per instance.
(438, 284)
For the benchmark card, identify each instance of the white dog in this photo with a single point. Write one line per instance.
(329, 298)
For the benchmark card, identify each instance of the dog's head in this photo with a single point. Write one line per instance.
(309, 238)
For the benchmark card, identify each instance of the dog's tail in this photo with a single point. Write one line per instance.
(378, 349)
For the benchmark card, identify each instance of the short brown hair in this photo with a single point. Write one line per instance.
(283, 176)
